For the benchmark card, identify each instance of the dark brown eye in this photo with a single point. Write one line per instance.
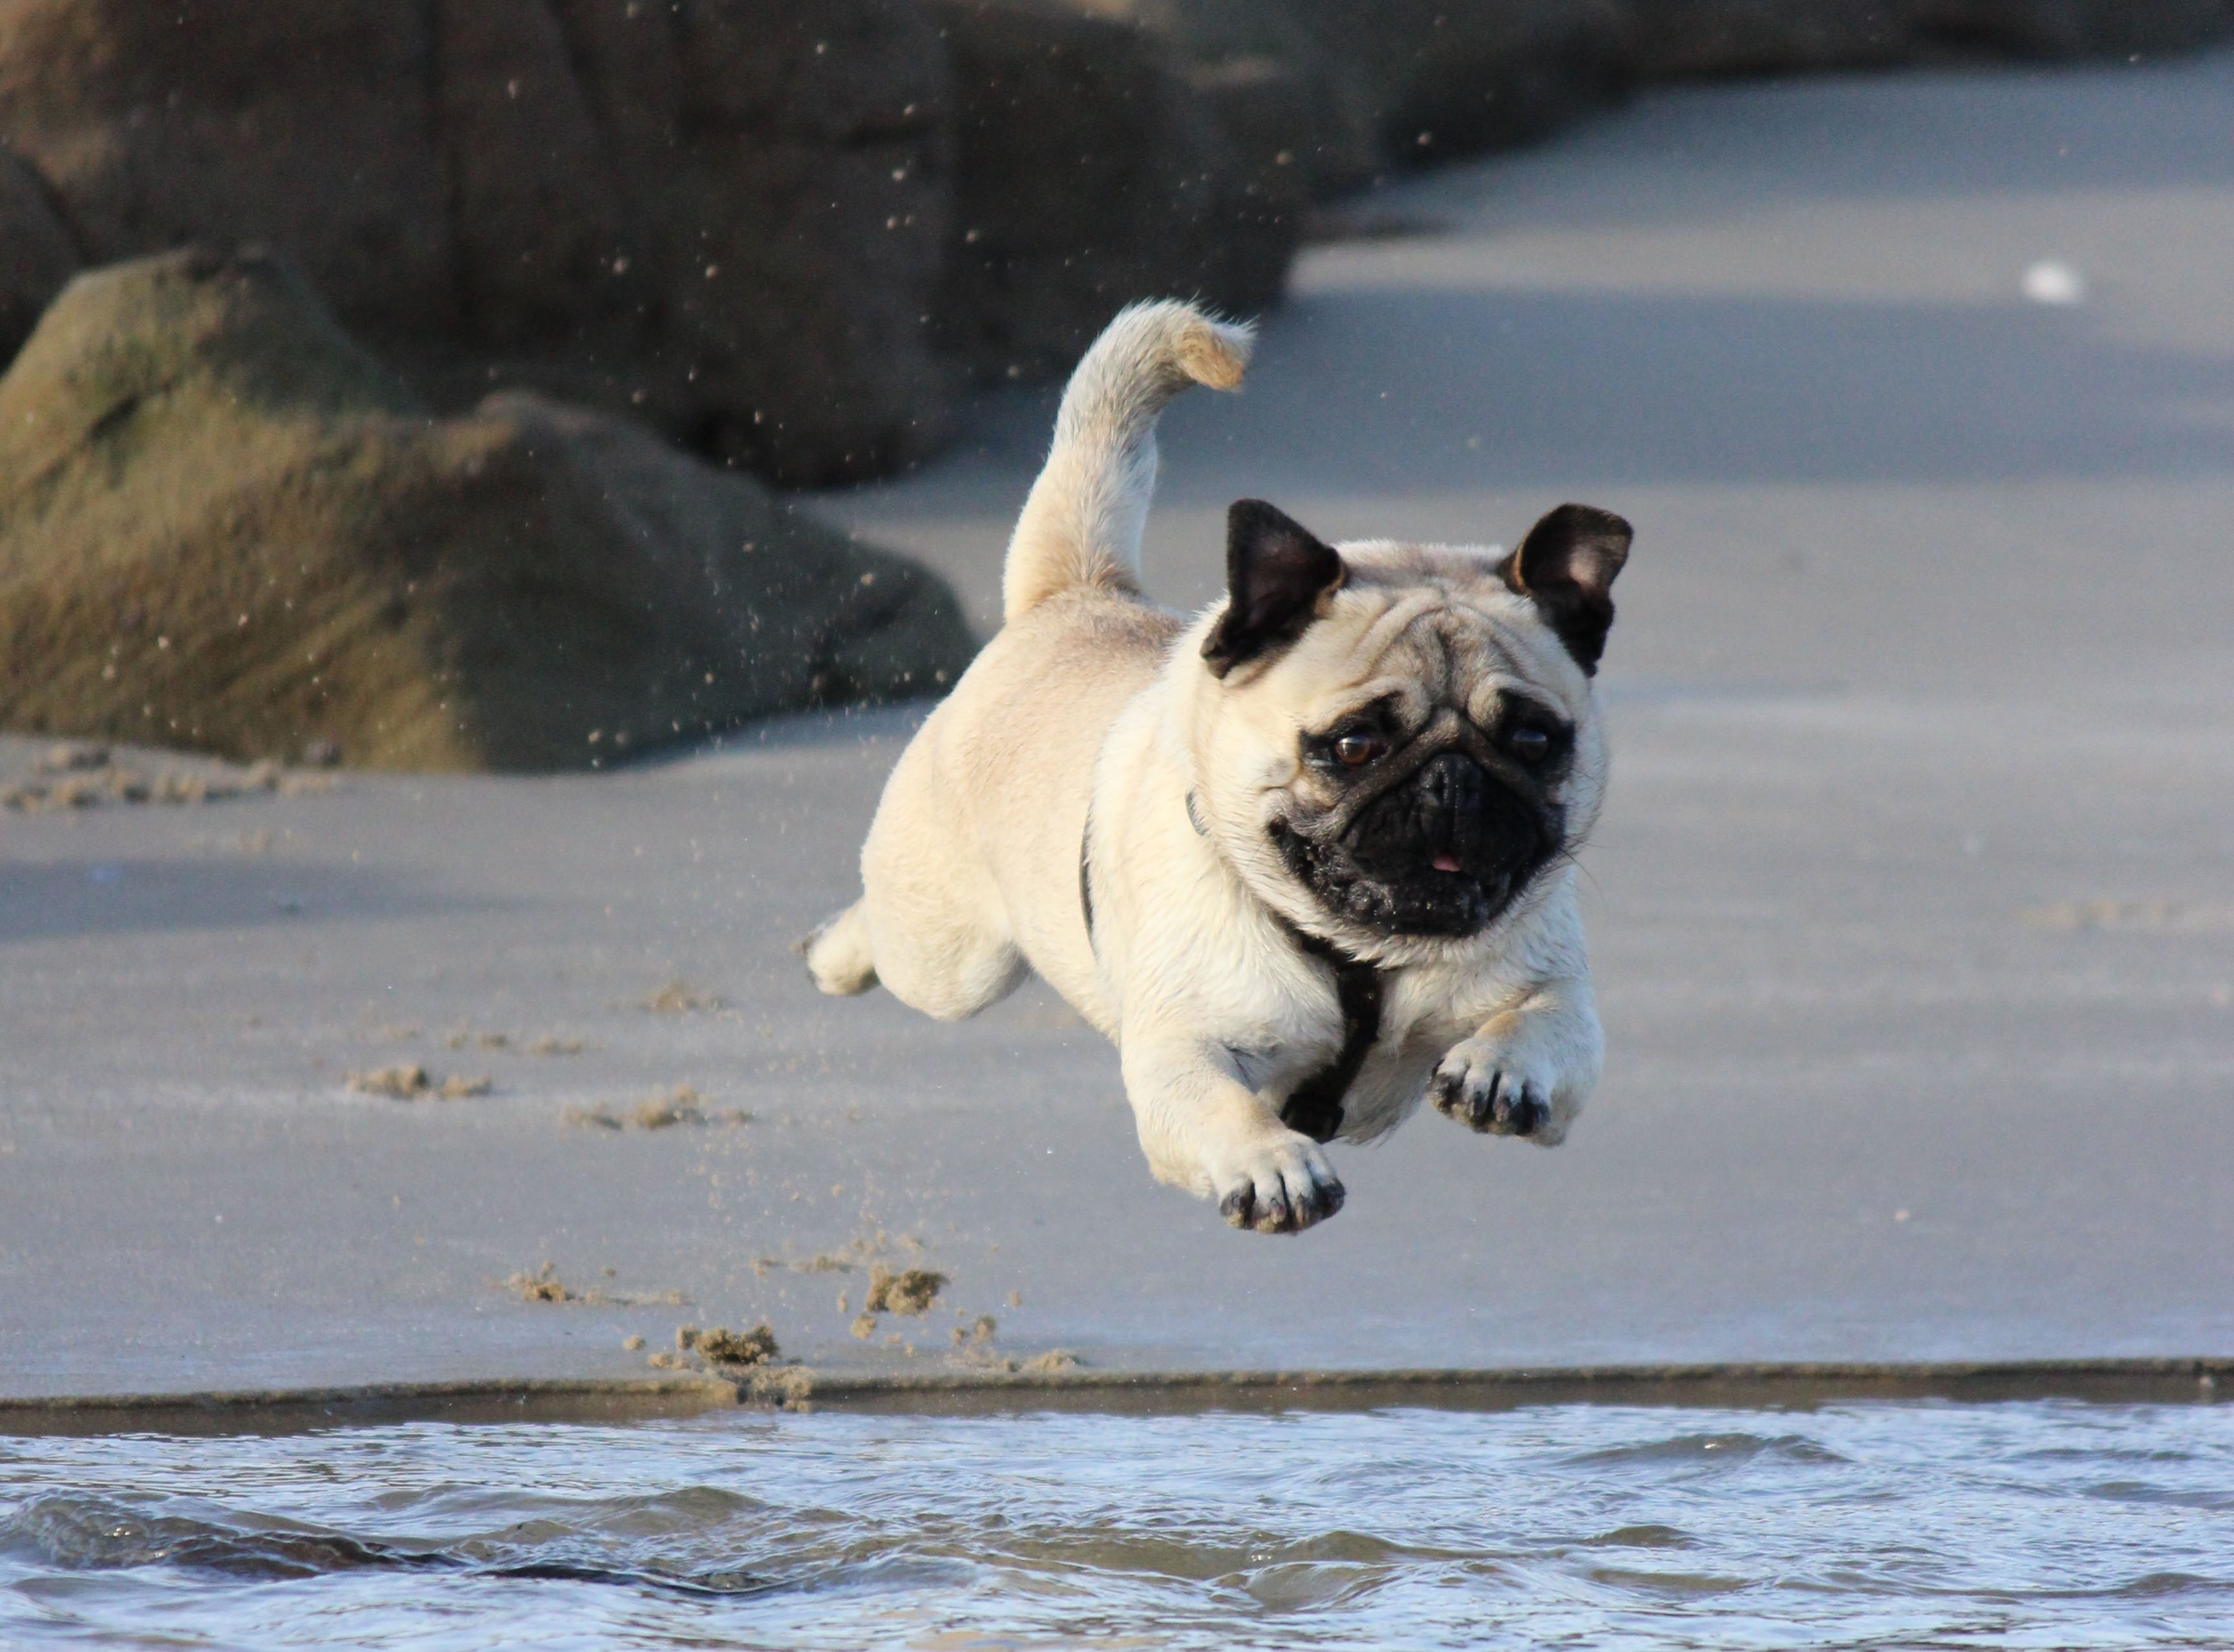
(1355, 751)
(1529, 745)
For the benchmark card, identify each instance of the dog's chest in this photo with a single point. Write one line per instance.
(1370, 1060)
(1416, 1028)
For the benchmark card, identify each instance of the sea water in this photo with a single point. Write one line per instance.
(1887, 1524)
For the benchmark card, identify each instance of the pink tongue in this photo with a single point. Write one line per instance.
(1447, 863)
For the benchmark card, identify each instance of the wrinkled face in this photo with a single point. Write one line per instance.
(1408, 754)
(1414, 815)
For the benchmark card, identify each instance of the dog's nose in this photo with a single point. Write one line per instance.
(1450, 816)
(1470, 823)
(1451, 789)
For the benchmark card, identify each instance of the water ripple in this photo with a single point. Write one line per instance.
(1701, 1449)
(1868, 1525)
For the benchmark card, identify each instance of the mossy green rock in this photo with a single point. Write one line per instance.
(223, 526)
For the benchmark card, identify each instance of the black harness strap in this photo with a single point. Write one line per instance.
(1086, 875)
(1314, 1106)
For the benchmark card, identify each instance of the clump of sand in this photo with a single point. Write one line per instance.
(682, 1105)
(724, 1346)
(542, 1286)
(787, 1388)
(679, 1105)
(70, 755)
(679, 997)
(76, 776)
(403, 1082)
(408, 1082)
(972, 1358)
(911, 1292)
(844, 1259)
(549, 1044)
(750, 1354)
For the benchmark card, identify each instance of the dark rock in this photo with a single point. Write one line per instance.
(1435, 79)
(1090, 172)
(1426, 79)
(536, 200)
(1269, 79)
(304, 126)
(1398, 81)
(1674, 39)
(2068, 29)
(37, 253)
(224, 525)
(1700, 37)
(726, 215)
(1289, 126)
(785, 168)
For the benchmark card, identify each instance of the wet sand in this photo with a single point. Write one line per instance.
(1913, 910)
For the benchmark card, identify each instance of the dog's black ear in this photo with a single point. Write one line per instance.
(1566, 566)
(1275, 572)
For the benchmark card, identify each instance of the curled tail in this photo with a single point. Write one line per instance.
(1082, 525)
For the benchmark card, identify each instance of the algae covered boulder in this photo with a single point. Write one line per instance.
(224, 525)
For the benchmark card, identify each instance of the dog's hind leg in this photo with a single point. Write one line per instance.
(931, 925)
(946, 964)
(948, 970)
(838, 954)
(934, 925)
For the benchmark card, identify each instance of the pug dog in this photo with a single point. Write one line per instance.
(1306, 858)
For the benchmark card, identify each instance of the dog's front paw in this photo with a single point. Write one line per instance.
(1284, 1185)
(1482, 1086)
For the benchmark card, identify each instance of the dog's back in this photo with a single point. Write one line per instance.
(971, 871)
